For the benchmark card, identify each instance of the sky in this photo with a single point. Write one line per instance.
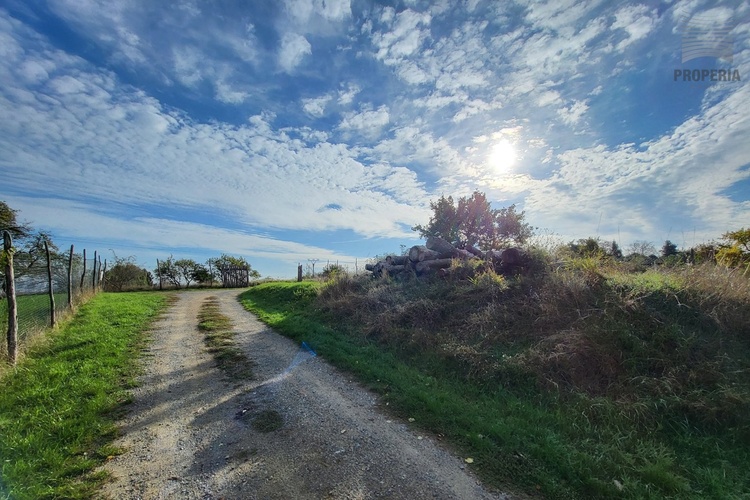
(285, 131)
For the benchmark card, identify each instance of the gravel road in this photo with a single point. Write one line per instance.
(190, 433)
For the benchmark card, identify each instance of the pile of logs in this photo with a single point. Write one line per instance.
(437, 254)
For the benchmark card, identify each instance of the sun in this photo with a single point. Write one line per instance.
(502, 156)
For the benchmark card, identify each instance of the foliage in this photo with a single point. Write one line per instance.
(186, 270)
(740, 238)
(668, 249)
(166, 270)
(225, 260)
(473, 222)
(333, 270)
(586, 247)
(9, 222)
(125, 274)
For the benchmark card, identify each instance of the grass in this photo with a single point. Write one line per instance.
(576, 383)
(219, 337)
(59, 406)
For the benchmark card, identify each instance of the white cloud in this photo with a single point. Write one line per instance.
(316, 106)
(572, 114)
(293, 50)
(368, 122)
(638, 21)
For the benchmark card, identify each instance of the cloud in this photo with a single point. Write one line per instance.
(316, 106)
(293, 50)
(368, 122)
(572, 114)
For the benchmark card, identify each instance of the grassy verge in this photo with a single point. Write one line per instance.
(574, 385)
(220, 341)
(58, 408)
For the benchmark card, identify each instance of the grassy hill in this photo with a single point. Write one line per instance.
(578, 379)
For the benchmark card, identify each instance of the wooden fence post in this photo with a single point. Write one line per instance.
(158, 273)
(70, 279)
(83, 274)
(51, 286)
(10, 288)
(93, 275)
(299, 272)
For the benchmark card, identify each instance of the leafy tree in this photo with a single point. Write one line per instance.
(614, 250)
(474, 222)
(9, 222)
(167, 271)
(668, 249)
(510, 226)
(216, 263)
(443, 222)
(126, 274)
(186, 269)
(737, 250)
(201, 274)
(586, 247)
(739, 238)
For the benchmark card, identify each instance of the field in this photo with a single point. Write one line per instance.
(581, 380)
(58, 408)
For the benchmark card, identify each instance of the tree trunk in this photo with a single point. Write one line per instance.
(10, 289)
(396, 260)
(444, 248)
(421, 253)
(427, 265)
(474, 251)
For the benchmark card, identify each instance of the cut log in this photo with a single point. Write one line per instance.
(493, 255)
(393, 270)
(441, 246)
(419, 253)
(427, 265)
(370, 267)
(511, 256)
(465, 254)
(474, 251)
(396, 260)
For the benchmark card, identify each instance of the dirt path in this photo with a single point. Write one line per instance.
(189, 432)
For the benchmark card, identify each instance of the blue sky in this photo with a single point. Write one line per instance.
(321, 129)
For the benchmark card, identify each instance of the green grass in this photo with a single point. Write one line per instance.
(219, 337)
(59, 406)
(513, 379)
(33, 312)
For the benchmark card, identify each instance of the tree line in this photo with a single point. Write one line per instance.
(121, 274)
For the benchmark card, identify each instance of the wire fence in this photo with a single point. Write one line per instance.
(41, 287)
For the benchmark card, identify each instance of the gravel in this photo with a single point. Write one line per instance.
(300, 429)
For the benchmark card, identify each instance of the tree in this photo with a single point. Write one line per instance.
(739, 238)
(332, 270)
(586, 247)
(167, 271)
(9, 222)
(126, 274)
(614, 250)
(201, 274)
(668, 249)
(186, 269)
(510, 226)
(443, 222)
(473, 222)
(642, 247)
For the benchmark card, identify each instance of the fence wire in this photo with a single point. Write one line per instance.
(33, 305)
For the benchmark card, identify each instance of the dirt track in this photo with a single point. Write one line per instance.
(189, 432)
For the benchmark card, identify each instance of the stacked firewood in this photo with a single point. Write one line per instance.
(437, 254)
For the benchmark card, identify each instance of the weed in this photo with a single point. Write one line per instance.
(219, 338)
